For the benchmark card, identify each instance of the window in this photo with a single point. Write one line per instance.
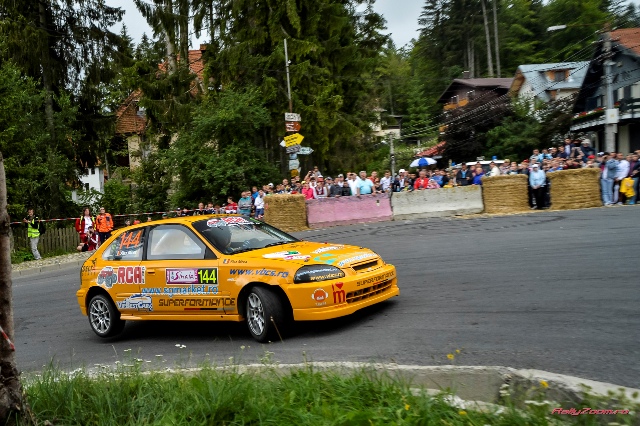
(128, 246)
(174, 242)
(93, 171)
(559, 76)
(86, 187)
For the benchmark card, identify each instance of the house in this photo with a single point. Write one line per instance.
(461, 91)
(131, 120)
(589, 109)
(549, 82)
(92, 180)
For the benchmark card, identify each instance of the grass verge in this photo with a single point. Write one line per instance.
(211, 396)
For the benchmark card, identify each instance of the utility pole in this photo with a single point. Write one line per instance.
(392, 153)
(286, 62)
(611, 113)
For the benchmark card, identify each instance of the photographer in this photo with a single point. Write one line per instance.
(33, 232)
(91, 241)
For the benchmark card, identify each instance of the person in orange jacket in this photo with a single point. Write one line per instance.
(104, 225)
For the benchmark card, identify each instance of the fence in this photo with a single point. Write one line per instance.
(55, 239)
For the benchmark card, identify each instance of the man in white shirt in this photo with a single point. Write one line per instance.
(386, 180)
(621, 173)
(353, 184)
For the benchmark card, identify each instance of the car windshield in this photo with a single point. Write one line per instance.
(236, 234)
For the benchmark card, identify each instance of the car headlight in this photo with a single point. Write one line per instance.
(315, 273)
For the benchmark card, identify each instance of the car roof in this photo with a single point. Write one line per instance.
(181, 219)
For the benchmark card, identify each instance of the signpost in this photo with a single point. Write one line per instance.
(294, 164)
(293, 149)
(292, 116)
(305, 150)
(294, 139)
(292, 126)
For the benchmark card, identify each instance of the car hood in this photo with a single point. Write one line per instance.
(309, 252)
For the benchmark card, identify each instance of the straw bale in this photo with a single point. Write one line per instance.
(575, 189)
(286, 211)
(505, 194)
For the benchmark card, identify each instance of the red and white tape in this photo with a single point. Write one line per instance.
(4, 335)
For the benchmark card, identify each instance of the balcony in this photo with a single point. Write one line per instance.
(454, 105)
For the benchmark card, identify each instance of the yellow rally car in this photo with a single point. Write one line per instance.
(226, 268)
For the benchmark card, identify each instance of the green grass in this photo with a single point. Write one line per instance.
(209, 396)
(24, 255)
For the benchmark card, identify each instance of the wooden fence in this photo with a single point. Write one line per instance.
(54, 239)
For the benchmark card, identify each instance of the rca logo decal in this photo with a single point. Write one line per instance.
(122, 275)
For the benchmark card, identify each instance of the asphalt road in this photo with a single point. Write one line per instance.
(551, 291)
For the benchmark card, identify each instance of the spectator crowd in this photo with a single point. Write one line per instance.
(619, 184)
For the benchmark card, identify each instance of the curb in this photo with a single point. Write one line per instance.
(46, 268)
(483, 384)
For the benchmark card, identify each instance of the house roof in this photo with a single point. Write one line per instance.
(431, 151)
(500, 85)
(536, 76)
(129, 118)
(628, 37)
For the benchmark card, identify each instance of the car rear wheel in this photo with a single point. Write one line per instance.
(265, 314)
(104, 318)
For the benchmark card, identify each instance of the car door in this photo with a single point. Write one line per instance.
(122, 274)
(182, 273)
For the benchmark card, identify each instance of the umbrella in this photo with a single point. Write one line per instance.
(422, 162)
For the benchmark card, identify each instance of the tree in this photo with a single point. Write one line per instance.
(11, 402)
(333, 49)
(214, 155)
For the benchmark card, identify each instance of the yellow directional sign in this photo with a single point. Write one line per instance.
(293, 139)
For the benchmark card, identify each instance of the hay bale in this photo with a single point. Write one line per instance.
(575, 189)
(286, 211)
(505, 194)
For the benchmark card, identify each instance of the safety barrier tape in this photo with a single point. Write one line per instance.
(115, 215)
(4, 335)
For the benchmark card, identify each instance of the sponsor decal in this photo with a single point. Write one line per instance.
(375, 280)
(213, 304)
(328, 248)
(356, 258)
(261, 272)
(320, 296)
(327, 258)
(88, 270)
(191, 275)
(184, 290)
(122, 275)
(280, 254)
(227, 261)
(223, 221)
(325, 274)
(136, 301)
(339, 295)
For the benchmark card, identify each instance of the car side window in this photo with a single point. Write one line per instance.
(128, 246)
(174, 242)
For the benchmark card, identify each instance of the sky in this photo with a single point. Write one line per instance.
(401, 16)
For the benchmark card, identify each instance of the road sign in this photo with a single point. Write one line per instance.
(293, 139)
(292, 126)
(305, 150)
(294, 164)
(293, 149)
(292, 116)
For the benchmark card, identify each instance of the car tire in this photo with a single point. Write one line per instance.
(265, 315)
(104, 318)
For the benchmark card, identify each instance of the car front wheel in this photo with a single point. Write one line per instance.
(265, 315)
(104, 318)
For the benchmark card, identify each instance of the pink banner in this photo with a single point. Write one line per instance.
(325, 212)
